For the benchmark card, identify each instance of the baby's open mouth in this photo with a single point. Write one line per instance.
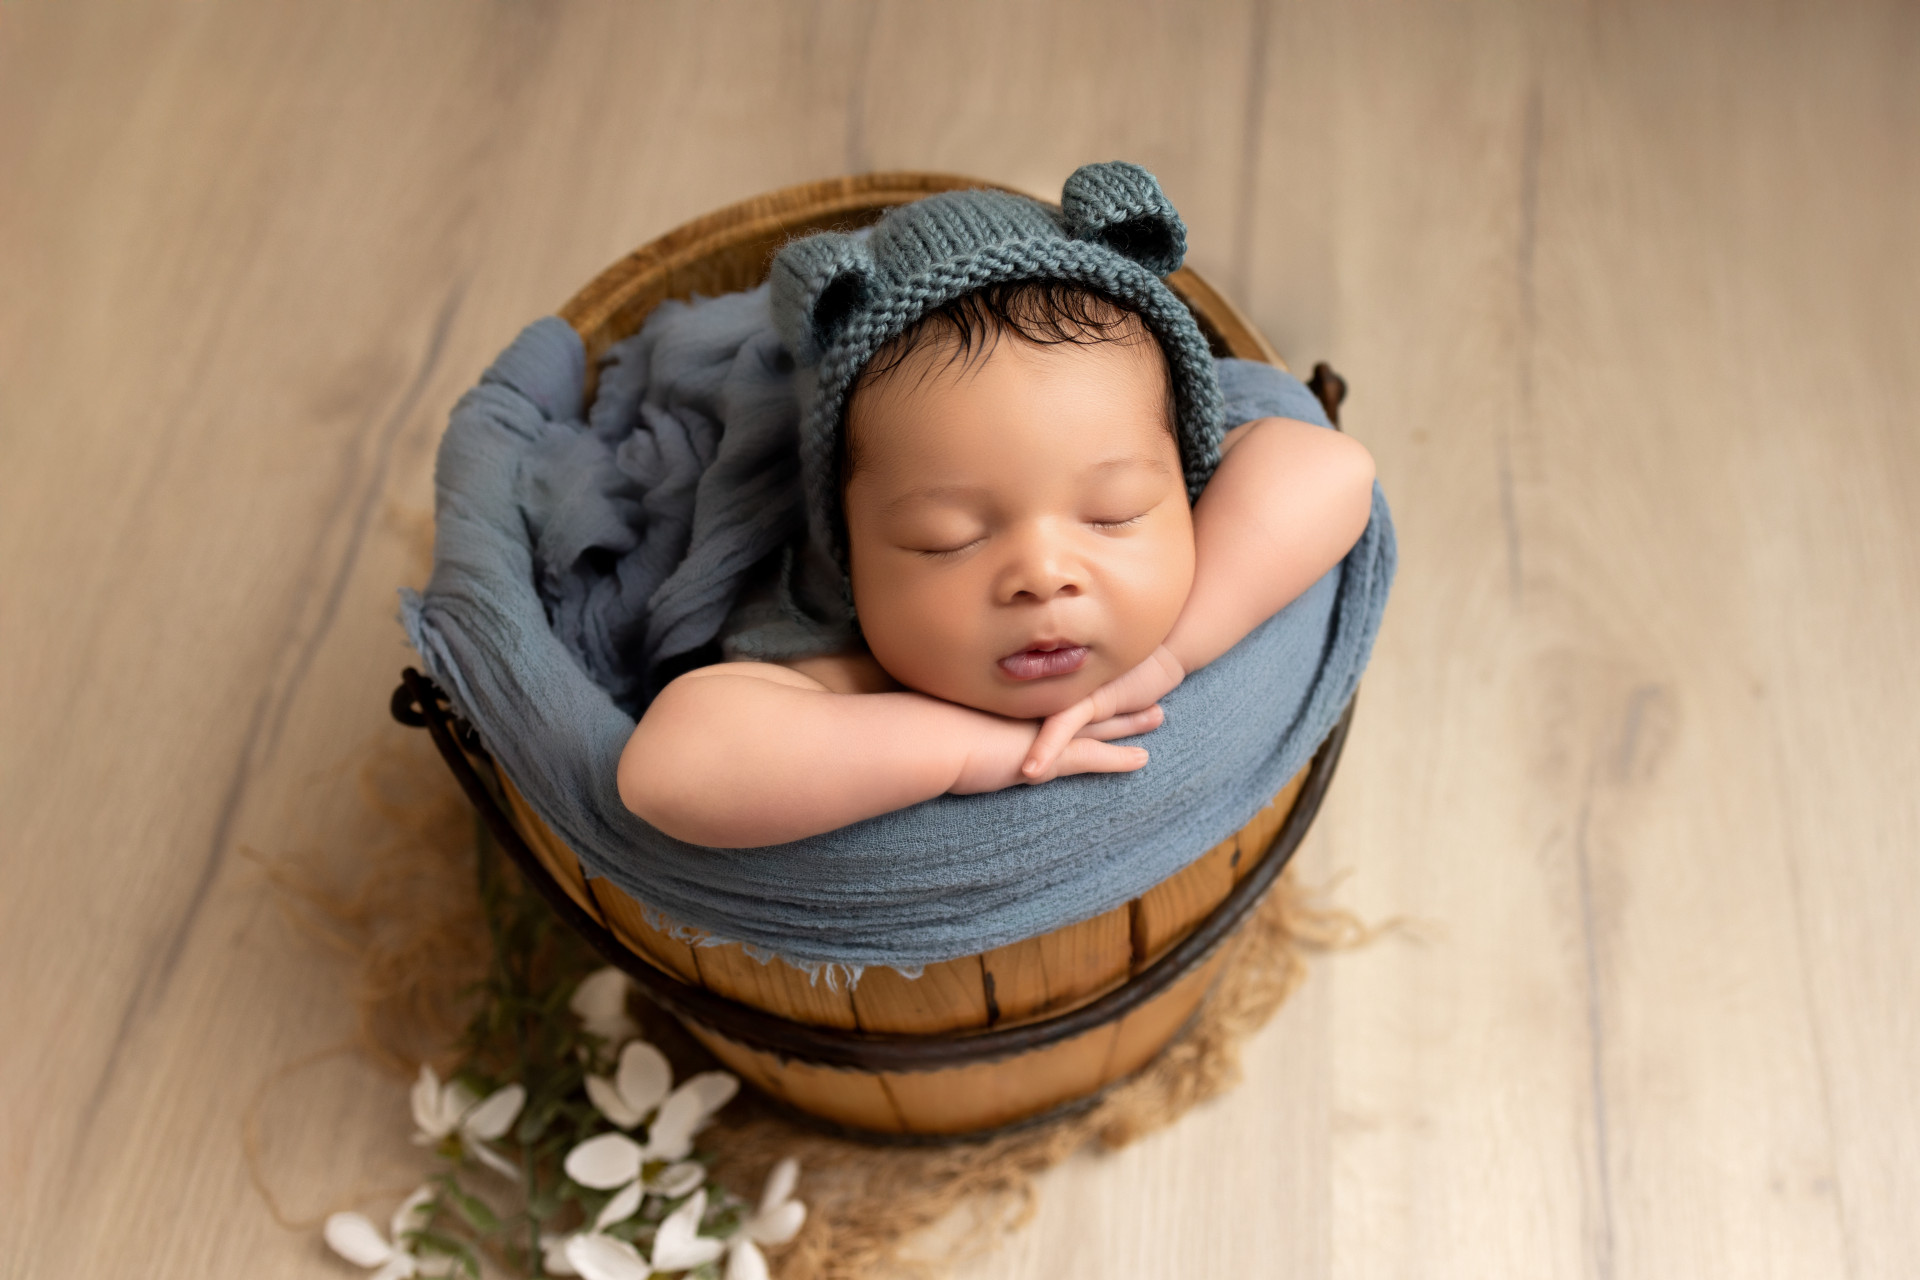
(1054, 659)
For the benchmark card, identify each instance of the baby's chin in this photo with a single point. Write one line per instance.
(1032, 703)
(983, 684)
(1028, 699)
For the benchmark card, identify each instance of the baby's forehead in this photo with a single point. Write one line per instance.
(1113, 390)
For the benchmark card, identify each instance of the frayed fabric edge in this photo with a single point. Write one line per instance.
(837, 975)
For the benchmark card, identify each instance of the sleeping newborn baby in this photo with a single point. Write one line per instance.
(1014, 450)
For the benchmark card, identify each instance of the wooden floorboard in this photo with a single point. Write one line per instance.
(1625, 294)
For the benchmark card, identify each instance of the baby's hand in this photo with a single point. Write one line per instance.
(1116, 709)
(994, 759)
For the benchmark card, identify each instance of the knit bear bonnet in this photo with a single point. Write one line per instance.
(837, 299)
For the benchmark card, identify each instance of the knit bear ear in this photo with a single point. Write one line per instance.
(1121, 206)
(818, 283)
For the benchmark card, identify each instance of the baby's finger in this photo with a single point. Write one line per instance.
(1090, 755)
(1125, 726)
(1053, 737)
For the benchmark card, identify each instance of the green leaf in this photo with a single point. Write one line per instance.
(478, 1214)
(447, 1247)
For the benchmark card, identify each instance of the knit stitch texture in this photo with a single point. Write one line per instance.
(837, 299)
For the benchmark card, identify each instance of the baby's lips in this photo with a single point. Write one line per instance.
(1037, 664)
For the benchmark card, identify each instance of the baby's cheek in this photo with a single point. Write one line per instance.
(911, 630)
(1150, 592)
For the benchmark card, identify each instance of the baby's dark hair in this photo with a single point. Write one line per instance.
(1045, 313)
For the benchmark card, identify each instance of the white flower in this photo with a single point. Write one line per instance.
(686, 1112)
(450, 1111)
(357, 1240)
(614, 1162)
(776, 1221)
(677, 1246)
(600, 1002)
(639, 1085)
(643, 1076)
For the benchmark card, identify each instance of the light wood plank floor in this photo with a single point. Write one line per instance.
(1629, 295)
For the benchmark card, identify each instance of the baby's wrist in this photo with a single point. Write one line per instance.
(1171, 664)
(991, 749)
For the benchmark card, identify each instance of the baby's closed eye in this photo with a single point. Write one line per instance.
(946, 553)
(938, 533)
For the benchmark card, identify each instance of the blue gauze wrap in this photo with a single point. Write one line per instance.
(522, 483)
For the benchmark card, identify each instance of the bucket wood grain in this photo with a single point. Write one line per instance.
(1026, 982)
(1038, 983)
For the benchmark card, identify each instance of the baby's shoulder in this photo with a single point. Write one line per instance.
(853, 671)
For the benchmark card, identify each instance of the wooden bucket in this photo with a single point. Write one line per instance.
(973, 1044)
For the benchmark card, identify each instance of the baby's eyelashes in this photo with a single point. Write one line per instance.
(950, 551)
(946, 553)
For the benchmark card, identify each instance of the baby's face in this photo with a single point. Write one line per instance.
(1018, 529)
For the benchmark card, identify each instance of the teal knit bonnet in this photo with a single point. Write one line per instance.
(837, 299)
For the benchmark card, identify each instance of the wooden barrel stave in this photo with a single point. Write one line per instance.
(1058, 971)
(950, 996)
(629, 924)
(856, 1099)
(989, 1095)
(1145, 1031)
(1168, 912)
(775, 985)
(560, 861)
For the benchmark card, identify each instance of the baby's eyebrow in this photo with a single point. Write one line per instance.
(937, 493)
(963, 492)
(1147, 460)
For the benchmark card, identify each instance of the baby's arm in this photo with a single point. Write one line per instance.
(746, 753)
(1288, 500)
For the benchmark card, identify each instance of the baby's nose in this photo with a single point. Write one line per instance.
(1040, 569)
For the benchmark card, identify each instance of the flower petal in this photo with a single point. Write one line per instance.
(677, 1180)
(625, 1203)
(492, 1118)
(746, 1262)
(685, 1112)
(781, 1181)
(357, 1240)
(678, 1246)
(607, 1100)
(604, 1258)
(455, 1101)
(778, 1225)
(600, 994)
(553, 1256)
(644, 1076)
(603, 1163)
(600, 1002)
(487, 1156)
(413, 1214)
(426, 1103)
(401, 1266)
